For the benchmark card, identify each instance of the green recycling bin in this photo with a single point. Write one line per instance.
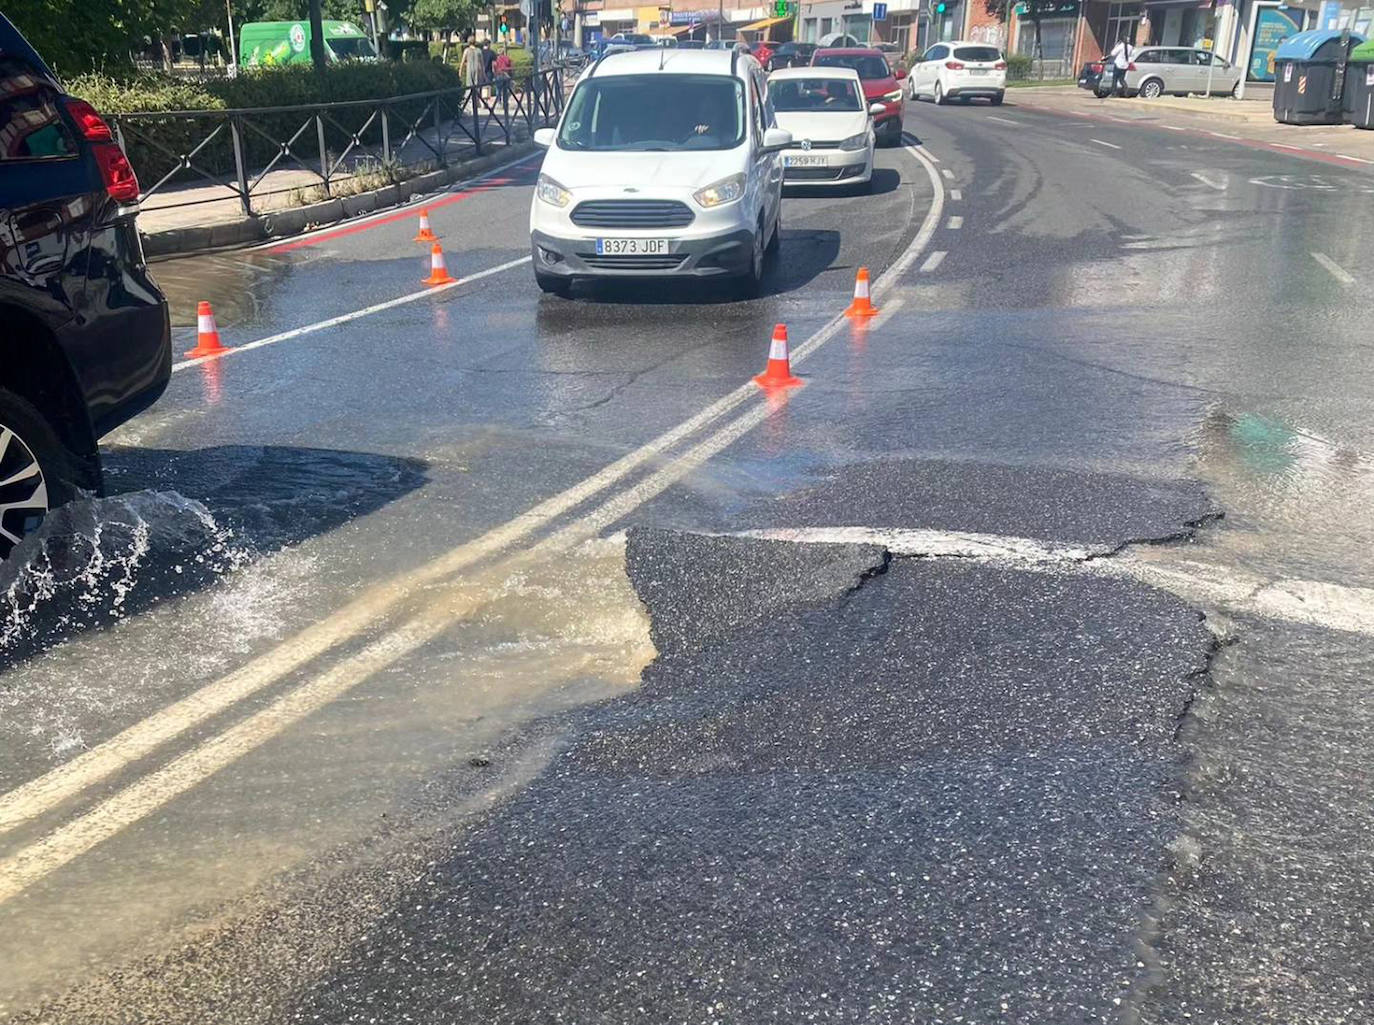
(1359, 86)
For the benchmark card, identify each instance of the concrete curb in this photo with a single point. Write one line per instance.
(293, 221)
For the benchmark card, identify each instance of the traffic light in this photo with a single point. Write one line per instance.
(504, 27)
(941, 7)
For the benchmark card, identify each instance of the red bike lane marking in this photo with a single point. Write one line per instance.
(409, 212)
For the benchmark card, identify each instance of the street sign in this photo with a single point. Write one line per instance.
(880, 12)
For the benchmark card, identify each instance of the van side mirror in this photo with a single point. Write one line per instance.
(544, 137)
(775, 139)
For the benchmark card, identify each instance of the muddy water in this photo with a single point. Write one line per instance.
(537, 638)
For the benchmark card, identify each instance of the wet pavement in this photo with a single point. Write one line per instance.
(379, 694)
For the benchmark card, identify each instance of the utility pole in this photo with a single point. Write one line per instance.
(233, 43)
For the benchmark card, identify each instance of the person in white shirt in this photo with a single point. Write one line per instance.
(1121, 61)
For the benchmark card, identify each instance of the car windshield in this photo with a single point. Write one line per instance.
(791, 95)
(352, 47)
(640, 40)
(866, 65)
(978, 53)
(655, 112)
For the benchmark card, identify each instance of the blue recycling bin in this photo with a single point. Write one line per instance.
(1309, 76)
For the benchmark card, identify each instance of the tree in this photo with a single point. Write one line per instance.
(444, 17)
(1035, 10)
(92, 35)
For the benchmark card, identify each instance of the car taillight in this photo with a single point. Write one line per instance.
(1000, 66)
(954, 66)
(115, 170)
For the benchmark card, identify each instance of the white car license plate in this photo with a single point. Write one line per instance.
(977, 71)
(803, 161)
(631, 246)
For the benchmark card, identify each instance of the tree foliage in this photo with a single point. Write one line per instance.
(444, 15)
(1035, 10)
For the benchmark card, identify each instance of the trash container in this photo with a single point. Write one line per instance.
(1359, 86)
(1309, 76)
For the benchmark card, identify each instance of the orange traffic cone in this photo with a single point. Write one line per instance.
(862, 306)
(778, 373)
(207, 334)
(438, 273)
(425, 235)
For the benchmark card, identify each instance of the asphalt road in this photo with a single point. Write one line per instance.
(493, 657)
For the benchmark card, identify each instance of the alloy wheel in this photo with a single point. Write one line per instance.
(23, 490)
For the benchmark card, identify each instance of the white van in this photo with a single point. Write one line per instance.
(665, 164)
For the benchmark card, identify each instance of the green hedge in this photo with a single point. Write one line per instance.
(1018, 67)
(267, 87)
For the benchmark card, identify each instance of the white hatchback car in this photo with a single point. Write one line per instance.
(959, 70)
(830, 122)
(665, 164)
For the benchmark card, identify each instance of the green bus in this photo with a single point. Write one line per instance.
(273, 43)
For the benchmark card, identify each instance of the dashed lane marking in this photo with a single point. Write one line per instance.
(150, 792)
(1109, 145)
(954, 223)
(955, 195)
(1223, 135)
(1335, 269)
(932, 261)
(1002, 120)
(947, 173)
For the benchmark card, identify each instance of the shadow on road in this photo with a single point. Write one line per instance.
(175, 522)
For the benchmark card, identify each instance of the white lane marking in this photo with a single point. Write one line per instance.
(344, 318)
(947, 173)
(955, 195)
(46, 792)
(1314, 602)
(1335, 269)
(932, 261)
(1109, 145)
(1223, 135)
(1211, 183)
(1173, 128)
(1002, 120)
(1361, 160)
(1284, 145)
(415, 201)
(937, 544)
(954, 223)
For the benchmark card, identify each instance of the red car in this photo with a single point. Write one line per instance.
(879, 82)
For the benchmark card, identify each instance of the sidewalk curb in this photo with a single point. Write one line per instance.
(284, 223)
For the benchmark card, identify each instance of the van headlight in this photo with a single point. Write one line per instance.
(727, 190)
(855, 142)
(893, 96)
(551, 192)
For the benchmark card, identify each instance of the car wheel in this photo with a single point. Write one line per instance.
(35, 469)
(1151, 89)
(939, 95)
(997, 100)
(553, 284)
(750, 283)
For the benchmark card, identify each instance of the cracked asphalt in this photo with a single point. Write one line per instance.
(417, 670)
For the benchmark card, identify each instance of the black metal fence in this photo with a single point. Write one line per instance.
(237, 150)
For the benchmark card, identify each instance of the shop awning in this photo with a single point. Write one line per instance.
(765, 23)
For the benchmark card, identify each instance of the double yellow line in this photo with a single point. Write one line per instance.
(442, 606)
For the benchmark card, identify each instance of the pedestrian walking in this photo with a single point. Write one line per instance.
(1121, 62)
(501, 68)
(474, 70)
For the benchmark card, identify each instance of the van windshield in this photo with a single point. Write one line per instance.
(352, 47)
(655, 113)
